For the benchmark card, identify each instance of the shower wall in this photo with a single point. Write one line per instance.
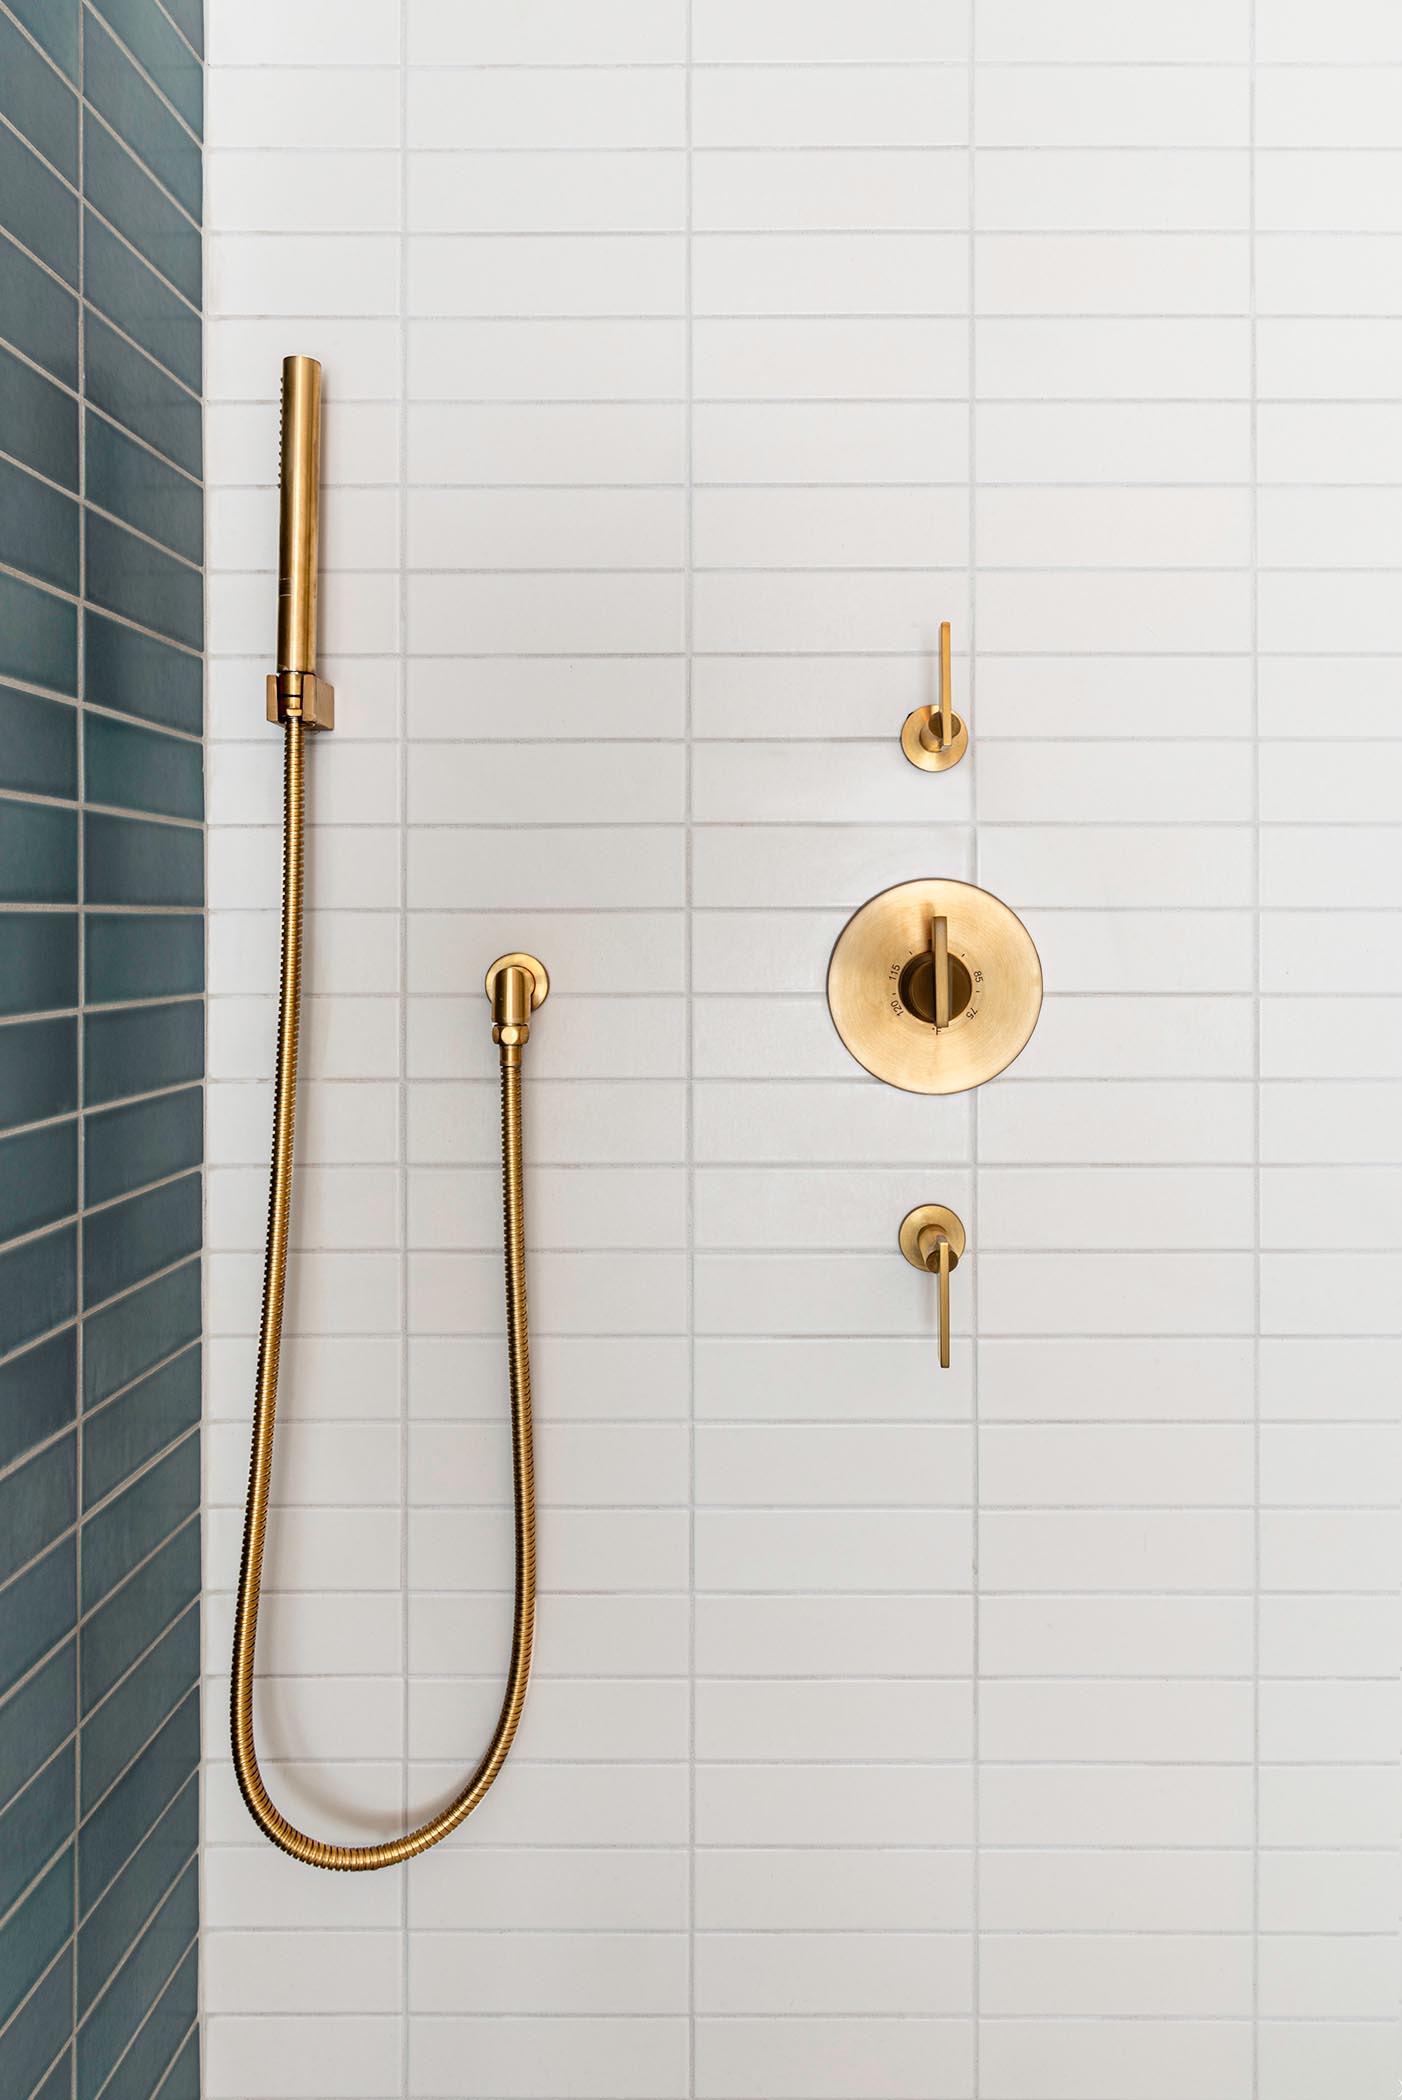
(101, 1046)
(1027, 1732)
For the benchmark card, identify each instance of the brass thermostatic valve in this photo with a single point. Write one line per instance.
(933, 1238)
(935, 738)
(934, 986)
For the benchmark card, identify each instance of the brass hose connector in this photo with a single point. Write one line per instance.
(519, 984)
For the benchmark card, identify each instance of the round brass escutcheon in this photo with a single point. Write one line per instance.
(540, 985)
(933, 758)
(928, 1217)
(881, 993)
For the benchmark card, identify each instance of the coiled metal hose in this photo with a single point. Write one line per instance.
(319, 1852)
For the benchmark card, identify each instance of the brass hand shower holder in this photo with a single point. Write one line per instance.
(516, 985)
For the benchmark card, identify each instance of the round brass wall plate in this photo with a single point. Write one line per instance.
(874, 950)
(942, 757)
(541, 980)
(943, 1220)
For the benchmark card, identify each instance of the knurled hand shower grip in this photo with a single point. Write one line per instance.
(294, 688)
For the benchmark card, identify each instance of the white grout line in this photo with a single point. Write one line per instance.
(402, 1131)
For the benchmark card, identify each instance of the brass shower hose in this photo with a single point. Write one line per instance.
(516, 989)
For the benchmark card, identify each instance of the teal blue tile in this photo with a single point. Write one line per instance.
(135, 955)
(38, 1287)
(160, 141)
(143, 1051)
(38, 961)
(38, 1071)
(142, 490)
(128, 1148)
(38, 101)
(54, 24)
(38, 636)
(125, 1434)
(59, 2083)
(117, 185)
(38, 1179)
(37, 1610)
(40, 210)
(131, 1240)
(38, 1717)
(35, 1824)
(163, 54)
(188, 17)
(38, 1394)
(40, 2033)
(123, 1627)
(119, 284)
(132, 1525)
(38, 1501)
(38, 528)
(132, 1336)
(139, 675)
(35, 1932)
(140, 582)
(113, 1925)
(38, 315)
(129, 767)
(38, 420)
(135, 392)
(38, 744)
(130, 1716)
(38, 856)
(170, 2037)
(129, 861)
(112, 2023)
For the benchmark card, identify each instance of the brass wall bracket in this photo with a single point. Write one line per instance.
(935, 738)
(932, 1238)
(301, 695)
(516, 984)
(934, 986)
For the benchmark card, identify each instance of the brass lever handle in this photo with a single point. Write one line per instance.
(940, 738)
(939, 955)
(934, 738)
(932, 1238)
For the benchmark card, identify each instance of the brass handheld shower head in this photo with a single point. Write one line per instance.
(295, 689)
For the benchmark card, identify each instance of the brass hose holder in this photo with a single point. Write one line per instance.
(301, 696)
(516, 984)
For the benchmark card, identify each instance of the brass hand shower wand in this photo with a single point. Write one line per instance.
(516, 984)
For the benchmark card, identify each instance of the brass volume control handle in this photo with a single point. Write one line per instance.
(934, 738)
(932, 1238)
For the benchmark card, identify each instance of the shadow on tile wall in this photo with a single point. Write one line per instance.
(101, 1045)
